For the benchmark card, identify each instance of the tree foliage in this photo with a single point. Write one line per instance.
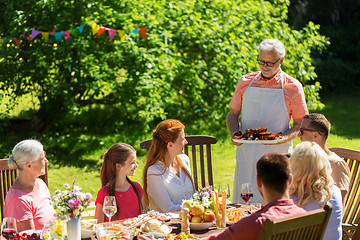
(187, 68)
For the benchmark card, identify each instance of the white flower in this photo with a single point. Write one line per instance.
(66, 185)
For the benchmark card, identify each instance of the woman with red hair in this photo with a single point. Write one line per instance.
(119, 163)
(167, 175)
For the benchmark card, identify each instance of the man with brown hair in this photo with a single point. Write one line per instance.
(273, 178)
(316, 128)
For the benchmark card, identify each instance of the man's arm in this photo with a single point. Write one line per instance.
(232, 123)
(292, 132)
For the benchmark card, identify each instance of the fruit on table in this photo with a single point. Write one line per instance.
(198, 210)
(196, 219)
(188, 204)
(209, 215)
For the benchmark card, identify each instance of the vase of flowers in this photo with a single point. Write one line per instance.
(69, 204)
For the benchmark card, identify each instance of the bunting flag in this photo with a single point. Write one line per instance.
(58, 36)
(75, 31)
(101, 30)
(45, 35)
(66, 35)
(17, 42)
(53, 32)
(81, 28)
(122, 35)
(34, 33)
(96, 30)
(142, 32)
(112, 33)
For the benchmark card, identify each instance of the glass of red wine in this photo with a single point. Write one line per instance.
(8, 228)
(246, 192)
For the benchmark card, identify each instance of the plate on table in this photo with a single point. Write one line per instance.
(258, 141)
(166, 230)
(201, 226)
(88, 227)
(30, 232)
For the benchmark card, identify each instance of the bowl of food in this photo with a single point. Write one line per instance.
(30, 235)
(114, 231)
(200, 226)
(156, 227)
(88, 227)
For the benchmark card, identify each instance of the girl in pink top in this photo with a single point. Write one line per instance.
(119, 163)
(28, 200)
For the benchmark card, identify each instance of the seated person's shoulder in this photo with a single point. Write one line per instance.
(157, 168)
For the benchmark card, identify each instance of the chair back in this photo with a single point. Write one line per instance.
(7, 177)
(200, 146)
(351, 210)
(309, 225)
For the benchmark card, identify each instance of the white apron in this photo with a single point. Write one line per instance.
(266, 108)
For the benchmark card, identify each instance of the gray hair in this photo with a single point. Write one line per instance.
(25, 151)
(272, 44)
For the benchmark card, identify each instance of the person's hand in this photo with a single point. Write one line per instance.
(236, 143)
(232, 139)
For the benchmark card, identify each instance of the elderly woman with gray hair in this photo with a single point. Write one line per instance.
(28, 200)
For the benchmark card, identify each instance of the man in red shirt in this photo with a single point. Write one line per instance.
(273, 179)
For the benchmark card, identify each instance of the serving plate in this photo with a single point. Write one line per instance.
(258, 141)
(166, 230)
(88, 228)
(201, 226)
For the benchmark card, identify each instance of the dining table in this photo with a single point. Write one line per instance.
(175, 224)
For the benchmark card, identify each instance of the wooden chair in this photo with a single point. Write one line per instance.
(351, 211)
(198, 158)
(7, 177)
(309, 225)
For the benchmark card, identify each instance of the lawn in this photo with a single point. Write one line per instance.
(342, 111)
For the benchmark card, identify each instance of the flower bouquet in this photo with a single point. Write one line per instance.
(70, 202)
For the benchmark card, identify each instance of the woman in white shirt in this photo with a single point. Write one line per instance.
(167, 174)
(313, 186)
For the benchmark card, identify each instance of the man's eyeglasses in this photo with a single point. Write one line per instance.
(269, 64)
(309, 130)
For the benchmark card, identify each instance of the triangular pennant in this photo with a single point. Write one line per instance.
(142, 32)
(112, 33)
(135, 31)
(58, 36)
(17, 42)
(81, 28)
(122, 35)
(94, 28)
(45, 35)
(66, 35)
(34, 33)
(101, 30)
(53, 32)
(74, 31)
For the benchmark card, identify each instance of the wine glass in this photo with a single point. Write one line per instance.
(8, 228)
(224, 187)
(246, 192)
(109, 206)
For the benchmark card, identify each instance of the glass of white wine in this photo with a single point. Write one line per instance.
(109, 206)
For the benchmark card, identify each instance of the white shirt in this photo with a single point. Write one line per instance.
(165, 189)
(333, 229)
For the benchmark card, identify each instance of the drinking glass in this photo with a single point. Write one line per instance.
(222, 187)
(246, 192)
(254, 207)
(109, 206)
(8, 228)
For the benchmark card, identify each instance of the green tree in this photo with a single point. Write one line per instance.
(187, 68)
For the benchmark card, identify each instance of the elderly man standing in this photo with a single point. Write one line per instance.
(316, 128)
(268, 99)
